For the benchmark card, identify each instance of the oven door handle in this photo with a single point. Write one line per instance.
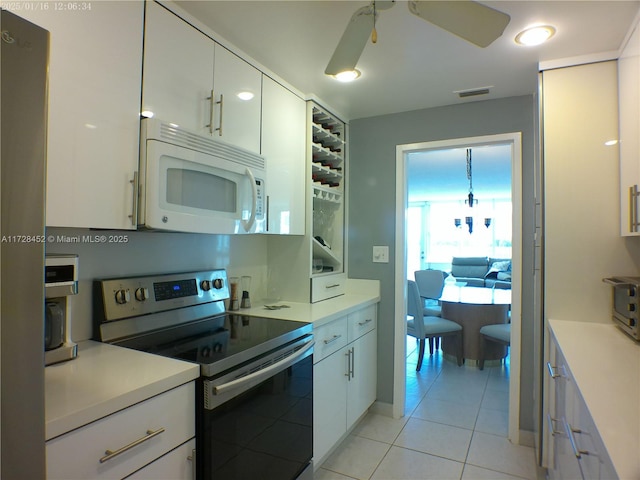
(264, 373)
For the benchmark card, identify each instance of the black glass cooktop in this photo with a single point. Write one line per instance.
(222, 342)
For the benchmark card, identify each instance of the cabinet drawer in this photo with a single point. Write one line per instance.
(177, 465)
(78, 454)
(327, 287)
(329, 338)
(361, 322)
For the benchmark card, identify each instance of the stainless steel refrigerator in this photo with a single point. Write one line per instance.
(24, 52)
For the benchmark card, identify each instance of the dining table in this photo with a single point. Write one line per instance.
(473, 308)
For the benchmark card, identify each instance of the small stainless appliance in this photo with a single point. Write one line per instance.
(626, 295)
(254, 397)
(60, 283)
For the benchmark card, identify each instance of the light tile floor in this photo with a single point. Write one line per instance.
(455, 427)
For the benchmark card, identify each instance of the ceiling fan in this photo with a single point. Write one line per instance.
(470, 20)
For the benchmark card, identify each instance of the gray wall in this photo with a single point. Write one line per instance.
(372, 195)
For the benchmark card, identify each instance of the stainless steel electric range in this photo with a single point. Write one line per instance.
(254, 401)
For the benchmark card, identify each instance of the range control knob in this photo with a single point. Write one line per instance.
(122, 296)
(142, 294)
(218, 283)
(205, 285)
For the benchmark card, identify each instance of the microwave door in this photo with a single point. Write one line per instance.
(188, 191)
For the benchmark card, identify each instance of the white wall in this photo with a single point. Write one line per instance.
(581, 193)
(148, 253)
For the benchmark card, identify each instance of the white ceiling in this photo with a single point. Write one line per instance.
(414, 65)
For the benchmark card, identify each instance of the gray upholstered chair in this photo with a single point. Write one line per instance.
(430, 285)
(498, 333)
(424, 327)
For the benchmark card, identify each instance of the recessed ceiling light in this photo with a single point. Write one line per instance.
(146, 113)
(610, 143)
(535, 35)
(347, 75)
(245, 95)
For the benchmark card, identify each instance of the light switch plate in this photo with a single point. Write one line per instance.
(381, 254)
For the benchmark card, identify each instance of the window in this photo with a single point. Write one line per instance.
(433, 239)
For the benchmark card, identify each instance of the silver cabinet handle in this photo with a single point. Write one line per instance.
(552, 371)
(552, 429)
(634, 223)
(353, 361)
(134, 208)
(368, 320)
(192, 459)
(332, 286)
(350, 361)
(212, 102)
(109, 454)
(332, 339)
(221, 103)
(570, 431)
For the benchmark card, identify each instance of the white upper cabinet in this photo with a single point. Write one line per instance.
(194, 82)
(178, 70)
(237, 117)
(284, 148)
(629, 108)
(94, 104)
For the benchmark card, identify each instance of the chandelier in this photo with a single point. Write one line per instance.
(470, 201)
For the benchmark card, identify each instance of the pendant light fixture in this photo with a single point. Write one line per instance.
(470, 201)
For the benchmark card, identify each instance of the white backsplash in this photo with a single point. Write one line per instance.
(147, 253)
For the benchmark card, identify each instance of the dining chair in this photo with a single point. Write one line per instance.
(498, 333)
(426, 327)
(430, 285)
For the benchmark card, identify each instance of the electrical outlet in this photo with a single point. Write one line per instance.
(381, 254)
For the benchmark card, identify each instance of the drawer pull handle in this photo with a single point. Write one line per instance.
(109, 454)
(552, 429)
(368, 320)
(332, 286)
(570, 431)
(552, 371)
(332, 339)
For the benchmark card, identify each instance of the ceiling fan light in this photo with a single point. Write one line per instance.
(347, 75)
(535, 35)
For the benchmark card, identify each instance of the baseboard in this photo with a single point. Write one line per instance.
(382, 408)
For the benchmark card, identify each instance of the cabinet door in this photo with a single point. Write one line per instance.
(361, 391)
(176, 465)
(178, 71)
(94, 104)
(284, 148)
(329, 402)
(237, 121)
(629, 111)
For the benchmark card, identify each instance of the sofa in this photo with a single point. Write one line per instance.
(482, 271)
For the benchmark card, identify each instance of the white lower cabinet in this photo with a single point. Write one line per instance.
(126, 441)
(344, 377)
(577, 451)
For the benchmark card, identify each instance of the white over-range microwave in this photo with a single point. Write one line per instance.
(190, 182)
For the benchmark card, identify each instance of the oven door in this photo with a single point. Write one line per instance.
(191, 191)
(259, 425)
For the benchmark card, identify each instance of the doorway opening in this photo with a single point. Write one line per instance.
(448, 235)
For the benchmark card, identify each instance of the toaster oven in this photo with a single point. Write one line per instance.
(626, 292)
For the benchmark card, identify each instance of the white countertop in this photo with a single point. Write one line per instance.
(317, 313)
(104, 379)
(605, 364)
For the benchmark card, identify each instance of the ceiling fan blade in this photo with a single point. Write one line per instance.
(472, 21)
(352, 42)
